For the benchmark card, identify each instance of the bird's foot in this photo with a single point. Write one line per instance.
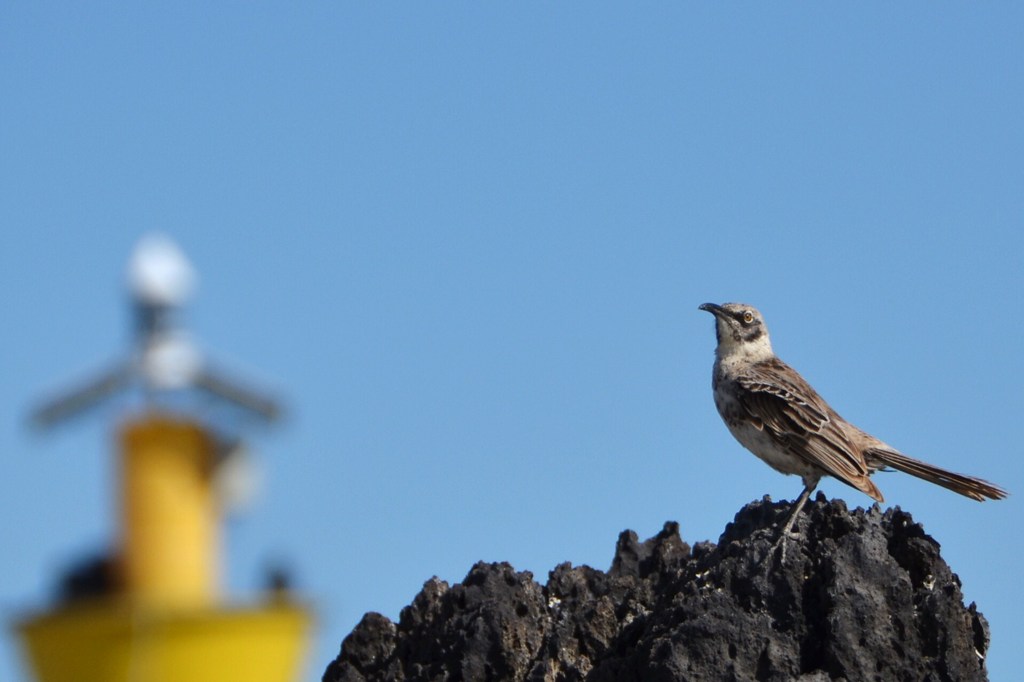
(785, 536)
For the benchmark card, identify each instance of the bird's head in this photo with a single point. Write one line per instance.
(741, 331)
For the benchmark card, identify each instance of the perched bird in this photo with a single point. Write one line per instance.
(773, 412)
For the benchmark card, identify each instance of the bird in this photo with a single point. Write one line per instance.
(773, 412)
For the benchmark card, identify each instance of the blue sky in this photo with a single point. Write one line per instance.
(467, 244)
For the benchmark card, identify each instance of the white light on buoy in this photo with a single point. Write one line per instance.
(159, 273)
(171, 361)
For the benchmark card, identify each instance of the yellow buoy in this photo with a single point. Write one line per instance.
(165, 622)
(169, 517)
(154, 610)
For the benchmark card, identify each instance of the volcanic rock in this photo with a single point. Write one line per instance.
(861, 595)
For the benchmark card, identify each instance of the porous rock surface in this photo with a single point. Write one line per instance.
(861, 595)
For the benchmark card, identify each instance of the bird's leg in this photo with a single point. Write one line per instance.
(797, 506)
(809, 487)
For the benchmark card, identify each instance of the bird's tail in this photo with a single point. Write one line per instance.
(974, 488)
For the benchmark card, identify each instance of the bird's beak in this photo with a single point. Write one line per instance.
(714, 309)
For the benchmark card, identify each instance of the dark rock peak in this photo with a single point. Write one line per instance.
(863, 595)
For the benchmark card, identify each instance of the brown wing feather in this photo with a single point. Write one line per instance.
(801, 421)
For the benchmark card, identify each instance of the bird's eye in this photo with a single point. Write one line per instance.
(748, 317)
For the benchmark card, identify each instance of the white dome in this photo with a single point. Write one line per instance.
(159, 273)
